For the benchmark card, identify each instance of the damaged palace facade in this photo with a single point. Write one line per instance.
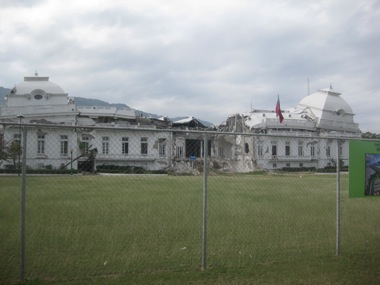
(60, 133)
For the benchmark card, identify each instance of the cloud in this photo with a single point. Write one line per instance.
(203, 58)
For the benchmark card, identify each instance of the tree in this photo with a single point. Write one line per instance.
(369, 135)
(14, 151)
(3, 153)
(10, 150)
(341, 163)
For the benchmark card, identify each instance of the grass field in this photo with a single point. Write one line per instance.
(262, 229)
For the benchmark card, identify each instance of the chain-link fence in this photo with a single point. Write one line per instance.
(101, 201)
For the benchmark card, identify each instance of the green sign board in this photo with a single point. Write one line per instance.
(364, 175)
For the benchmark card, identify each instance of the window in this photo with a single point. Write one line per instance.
(85, 144)
(274, 150)
(300, 149)
(105, 145)
(312, 149)
(179, 151)
(221, 151)
(40, 144)
(144, 145)
(301, 165)
(17, 138)
(274, 165)
(288, 165)
(161, 147)
(64, 145)
(246, 148)
(125, 145)
(260, 149)
(328, 150)
(340, 150)
(287, 148)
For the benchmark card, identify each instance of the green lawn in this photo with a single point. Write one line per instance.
(262, 229)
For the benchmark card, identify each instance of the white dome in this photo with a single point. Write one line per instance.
(329, 110)
(325, 100)
(31, 84)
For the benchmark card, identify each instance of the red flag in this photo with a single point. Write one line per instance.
(278, 110)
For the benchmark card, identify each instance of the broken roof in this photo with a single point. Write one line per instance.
(190, 122)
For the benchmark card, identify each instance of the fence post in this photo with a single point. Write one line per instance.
(23, 204)
(204, 232)
(337, 246)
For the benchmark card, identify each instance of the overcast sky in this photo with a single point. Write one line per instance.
(208, 58)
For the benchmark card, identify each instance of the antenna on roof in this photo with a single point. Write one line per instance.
(36, 73)
(331, 86)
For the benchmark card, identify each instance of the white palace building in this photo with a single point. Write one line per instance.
(307, 137)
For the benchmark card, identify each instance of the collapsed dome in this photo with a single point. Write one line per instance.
(326, 100)
(37, 83)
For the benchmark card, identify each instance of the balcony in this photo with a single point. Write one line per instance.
(288, 158)
(126, 157)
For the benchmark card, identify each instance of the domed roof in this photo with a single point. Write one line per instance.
(325, 100)
(33, 83)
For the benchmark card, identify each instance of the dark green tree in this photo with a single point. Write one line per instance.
(14, 151)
